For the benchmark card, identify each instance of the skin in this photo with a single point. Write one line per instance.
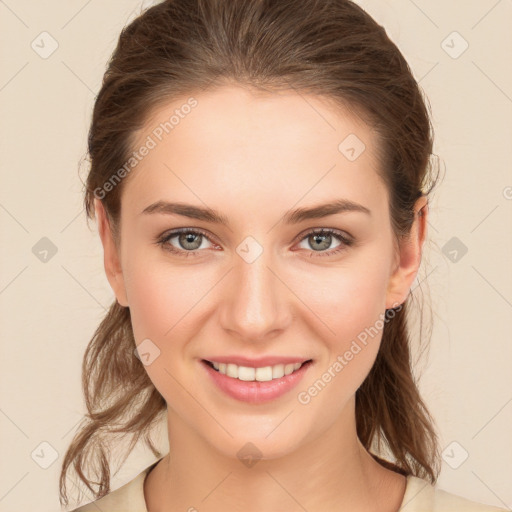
(252, 157)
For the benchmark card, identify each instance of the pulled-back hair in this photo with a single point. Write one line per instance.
(331, 48)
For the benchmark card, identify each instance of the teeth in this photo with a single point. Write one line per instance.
(263, 374)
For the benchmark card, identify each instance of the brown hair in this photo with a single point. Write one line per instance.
(331, 48)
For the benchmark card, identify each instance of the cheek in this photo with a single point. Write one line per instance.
(162, 302)
(346, 300)
(162, 310)
(349, 306)
(150, 309)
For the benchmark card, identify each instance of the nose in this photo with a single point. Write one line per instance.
(256, 303)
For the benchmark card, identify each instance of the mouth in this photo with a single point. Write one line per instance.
(255, 385)
(256, 374)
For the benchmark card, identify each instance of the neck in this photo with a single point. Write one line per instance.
(331, 472)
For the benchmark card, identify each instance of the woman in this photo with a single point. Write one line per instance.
(260, 176)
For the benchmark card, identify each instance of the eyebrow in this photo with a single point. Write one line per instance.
(291, 217)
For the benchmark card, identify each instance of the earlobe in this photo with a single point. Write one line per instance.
(111, 260)
(410, 252)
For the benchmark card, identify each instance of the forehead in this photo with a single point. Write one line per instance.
(235, 145)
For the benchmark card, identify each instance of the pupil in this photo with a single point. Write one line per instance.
(321, 238)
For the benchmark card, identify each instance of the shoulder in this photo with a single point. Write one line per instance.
(127, 498)
(421, 496)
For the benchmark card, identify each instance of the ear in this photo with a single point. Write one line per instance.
(111, 258)
(409, 256)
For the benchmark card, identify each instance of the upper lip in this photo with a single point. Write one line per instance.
(259, 362)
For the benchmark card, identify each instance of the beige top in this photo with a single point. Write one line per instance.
(420, 496)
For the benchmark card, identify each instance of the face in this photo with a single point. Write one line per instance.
(261, 283)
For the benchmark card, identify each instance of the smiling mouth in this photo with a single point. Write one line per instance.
(261, 374)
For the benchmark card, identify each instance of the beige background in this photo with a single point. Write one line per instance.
(50, 309)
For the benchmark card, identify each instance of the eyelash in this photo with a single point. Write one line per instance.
(345, 241)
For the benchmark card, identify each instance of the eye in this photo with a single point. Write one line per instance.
(189, 239)
(320, 239)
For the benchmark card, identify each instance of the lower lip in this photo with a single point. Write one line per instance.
(256, 392)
